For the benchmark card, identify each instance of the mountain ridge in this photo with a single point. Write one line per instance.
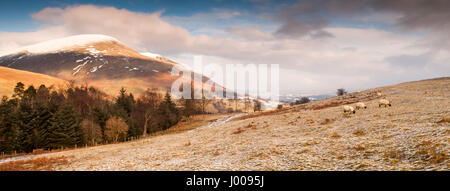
(97, 60)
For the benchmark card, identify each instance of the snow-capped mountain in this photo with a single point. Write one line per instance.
(94, 59)
(66, 44)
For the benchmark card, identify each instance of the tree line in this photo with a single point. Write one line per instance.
(45, 118)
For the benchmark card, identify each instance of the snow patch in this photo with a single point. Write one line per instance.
(94, 51)
(131, 69)
(151, 55)
(81, 60)
(154, 56)
(78, 68)
(67, 43)
(94, 69)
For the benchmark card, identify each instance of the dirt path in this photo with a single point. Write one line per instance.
(225, 120)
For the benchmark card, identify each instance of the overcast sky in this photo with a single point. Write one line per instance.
(320, 45)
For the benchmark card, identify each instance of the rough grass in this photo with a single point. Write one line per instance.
(35, 164)
(192, 123)
(413, 134)
(430, 152)
(34, 152)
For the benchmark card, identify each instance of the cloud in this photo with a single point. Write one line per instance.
(417, 14)
(11, 41)
(409, 61)
(354, 58)
(303, 18)
(310, 17)
(139, 29)
(250, 33)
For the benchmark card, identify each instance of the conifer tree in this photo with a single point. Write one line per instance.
(9, 128)
(18, 90)
(169, 114)
(100, 117)
(40, 125)
(64, 130)
(25, 117)
(125, 105)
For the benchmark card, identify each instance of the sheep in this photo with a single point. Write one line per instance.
(361, 105)
(348, 108)
(379, 94)
(384, 102)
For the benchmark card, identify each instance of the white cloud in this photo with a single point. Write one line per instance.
(352, 58)
(250, 33)
(10, 41)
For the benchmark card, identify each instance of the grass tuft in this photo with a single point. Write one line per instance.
(36, 164)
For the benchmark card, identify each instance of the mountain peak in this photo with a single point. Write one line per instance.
(67, 43)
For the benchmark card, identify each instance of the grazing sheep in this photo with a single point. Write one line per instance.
(384, 102)
(379, 94)
(361, 105)
(348, 108)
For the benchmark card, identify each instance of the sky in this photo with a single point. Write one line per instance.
(319, 45)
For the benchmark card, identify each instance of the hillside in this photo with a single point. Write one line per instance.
(413, 134)
(9, 78)
(97, 60)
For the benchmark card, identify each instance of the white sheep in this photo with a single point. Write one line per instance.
(349, 109)
(379, 94)
(384, 102)
(361, 105)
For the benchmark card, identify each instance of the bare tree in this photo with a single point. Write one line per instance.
(257, 105)
(115, 129)
(92, 131)
(150, 100)
(246, 103)
(302, 100)
(280, 106)
(204, 103)
(236, 99)
(341, 91)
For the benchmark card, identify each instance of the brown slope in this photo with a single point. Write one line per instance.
(10, 77)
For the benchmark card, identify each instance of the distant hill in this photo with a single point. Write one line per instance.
(293, 98)
(9, 78)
